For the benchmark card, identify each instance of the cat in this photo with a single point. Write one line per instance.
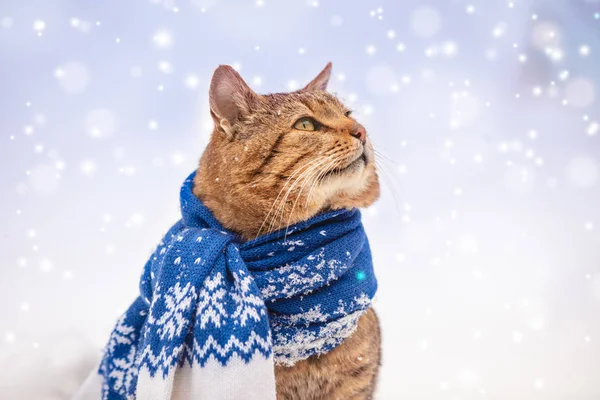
(277, 159)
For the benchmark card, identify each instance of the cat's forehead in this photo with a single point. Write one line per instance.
(315, 101)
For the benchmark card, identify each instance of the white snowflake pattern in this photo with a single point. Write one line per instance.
(124, 371)
(172, 320)
(210, 302)
(248, 304)
(122, 334)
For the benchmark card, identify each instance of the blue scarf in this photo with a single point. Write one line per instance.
(216, 313)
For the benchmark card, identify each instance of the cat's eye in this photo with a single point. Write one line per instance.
(306, 124)
(348, 113)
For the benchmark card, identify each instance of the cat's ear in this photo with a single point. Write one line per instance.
(229, 98)
(321, 81)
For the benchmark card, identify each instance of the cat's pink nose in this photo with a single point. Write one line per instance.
(360, 133)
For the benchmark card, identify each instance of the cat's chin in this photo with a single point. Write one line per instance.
(357, 166)
(355, 185)
(347, 179)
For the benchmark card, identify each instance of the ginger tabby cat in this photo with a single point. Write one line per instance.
(277, 159)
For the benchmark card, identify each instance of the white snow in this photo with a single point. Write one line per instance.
(486, 118)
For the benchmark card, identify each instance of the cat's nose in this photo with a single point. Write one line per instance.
(360, 133)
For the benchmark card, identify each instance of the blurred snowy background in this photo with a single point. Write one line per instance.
(487, 236)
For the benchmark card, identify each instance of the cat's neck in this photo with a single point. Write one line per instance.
(245, 212)
(250, 210)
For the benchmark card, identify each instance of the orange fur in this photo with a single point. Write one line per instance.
(259, 174)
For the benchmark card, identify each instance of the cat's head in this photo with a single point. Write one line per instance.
(277, 159)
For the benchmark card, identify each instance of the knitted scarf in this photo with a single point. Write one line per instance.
(216, 313)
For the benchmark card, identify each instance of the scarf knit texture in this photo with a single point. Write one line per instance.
(215, 314)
